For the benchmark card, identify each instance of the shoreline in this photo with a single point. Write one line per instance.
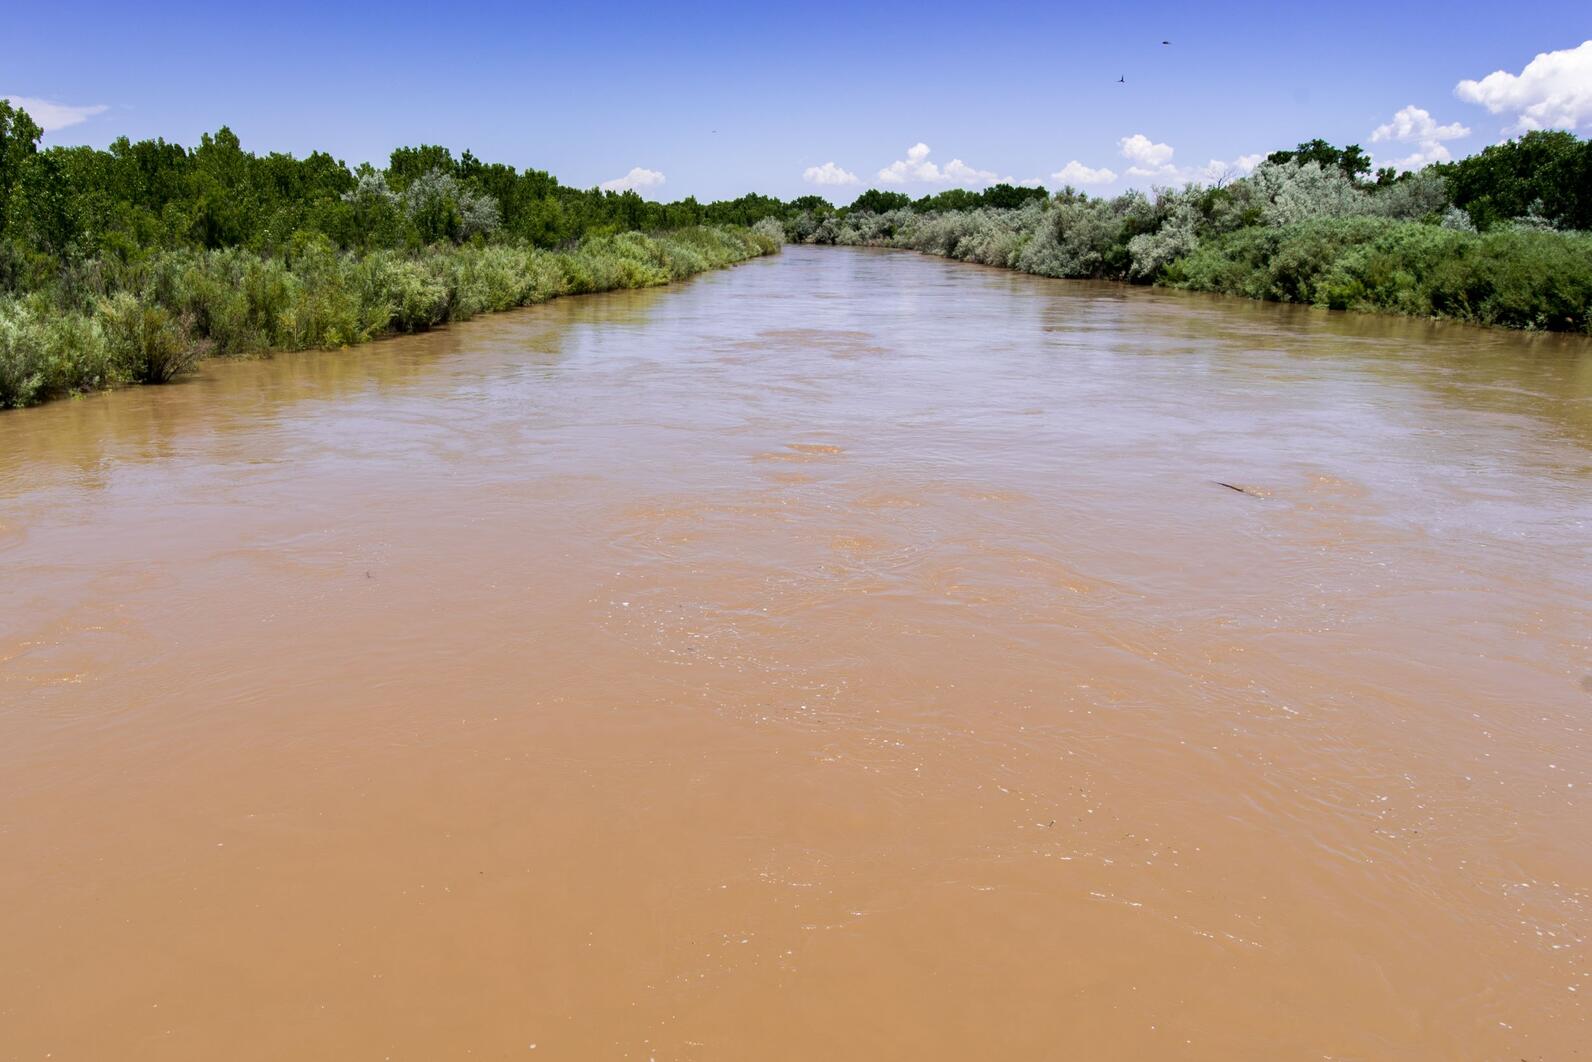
(1582, 339)
(1522, 281)
(171, 315)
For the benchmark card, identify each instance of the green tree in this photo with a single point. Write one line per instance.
(409, 163)
(1010, 197)
(950, 199)
(1354, 162)
(226, 204)
(19, 141)
(1544, 172)
(45, 205)
(874, 201)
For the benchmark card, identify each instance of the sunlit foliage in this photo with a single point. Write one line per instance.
(1487, 239)
(146, 321)
(128, 265)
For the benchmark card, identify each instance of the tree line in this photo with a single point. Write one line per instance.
(130, 264)
(127, 264)
(64, 204)
(1503, 237)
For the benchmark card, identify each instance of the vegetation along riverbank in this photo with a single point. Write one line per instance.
(130, 264)
(1500, 238)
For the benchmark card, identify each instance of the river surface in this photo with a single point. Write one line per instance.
(849, 655)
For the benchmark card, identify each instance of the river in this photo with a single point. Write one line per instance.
(852, 654)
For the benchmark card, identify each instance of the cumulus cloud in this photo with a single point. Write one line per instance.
(1149, 159)
(1144, 152)
(636, 180)
(1076, 172)
(1414, 125)
(52, 116)
(1154, 161)
(1553, 91)
(917, 168)
(828, 173)
(960, 172)
(1429, 152)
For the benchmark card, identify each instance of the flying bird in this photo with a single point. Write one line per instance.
(1166, 42)
(1122, 80)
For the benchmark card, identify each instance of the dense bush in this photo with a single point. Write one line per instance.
(1304, 227)
(148, 321)
(1521, 279)
(44, 353)
(147, 343)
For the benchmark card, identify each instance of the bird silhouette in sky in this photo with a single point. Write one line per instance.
(1122, 80)
(1166, 42)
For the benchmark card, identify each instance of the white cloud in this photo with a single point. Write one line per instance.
(828, 173)
(1076, 172)
(1413, 125)
(916, 168)
(960, 172)
(1429, 152)
(1145, 153)
(52, 116)
(1554, 91)
(1154, 162)
(636, 180)
(1149, 159)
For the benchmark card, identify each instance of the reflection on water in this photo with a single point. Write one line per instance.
(851, 653)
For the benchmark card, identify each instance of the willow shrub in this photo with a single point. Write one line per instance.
(147, 322)
(43, 353)
(147, 344)
(1519, 279)
(46, 352)
(1288, 232)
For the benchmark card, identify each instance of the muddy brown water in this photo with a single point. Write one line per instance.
(850, 655)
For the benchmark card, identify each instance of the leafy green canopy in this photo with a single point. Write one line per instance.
(64, 204)
(1546, 174)
(1352, 162)
(130, 264)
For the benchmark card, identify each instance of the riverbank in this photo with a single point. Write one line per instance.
(116, 324)
(1388, 258)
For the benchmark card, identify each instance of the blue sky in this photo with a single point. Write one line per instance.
(720, 99)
